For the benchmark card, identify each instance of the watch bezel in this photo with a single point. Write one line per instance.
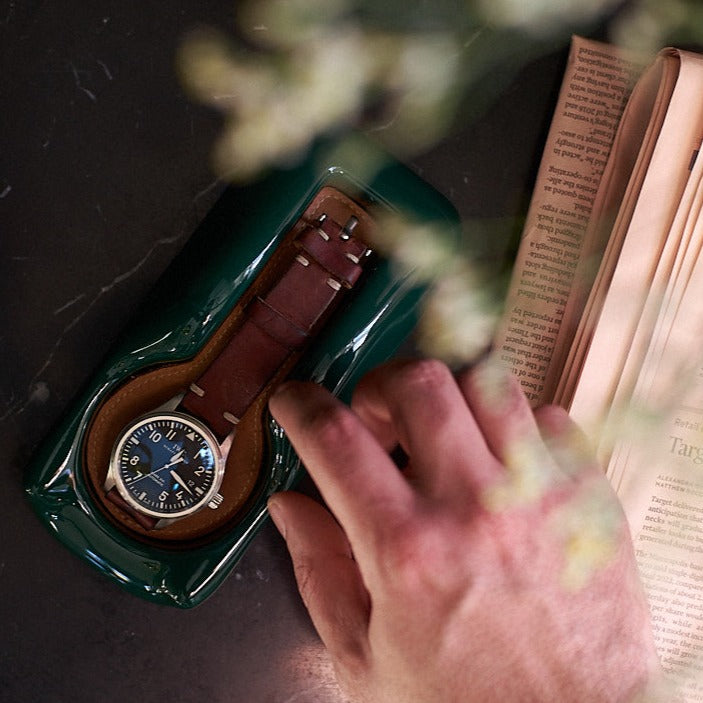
(195, 424)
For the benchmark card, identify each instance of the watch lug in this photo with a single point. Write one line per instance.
(227, 444)
(109, 480)
(164, 522)
(170, 405)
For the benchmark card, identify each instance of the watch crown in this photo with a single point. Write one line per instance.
(215, 501)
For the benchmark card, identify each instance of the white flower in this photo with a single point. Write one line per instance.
(542, 16)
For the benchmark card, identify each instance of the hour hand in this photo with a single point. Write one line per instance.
(176, 458)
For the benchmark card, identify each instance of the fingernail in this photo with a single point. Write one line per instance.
(276, 515)
(277, 397)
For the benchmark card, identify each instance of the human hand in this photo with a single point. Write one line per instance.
(496, 567)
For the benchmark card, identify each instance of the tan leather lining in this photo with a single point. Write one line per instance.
(153, 387)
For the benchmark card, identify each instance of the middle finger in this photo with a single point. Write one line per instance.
(419, 405)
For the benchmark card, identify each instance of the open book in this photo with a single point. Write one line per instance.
(604, 314)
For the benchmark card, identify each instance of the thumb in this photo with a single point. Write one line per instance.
(327, 575)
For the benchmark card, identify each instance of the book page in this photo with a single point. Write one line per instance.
(597, 82)
(661, 490)
(681, 251)
(658, 202)
(687, 255)
(617, 196)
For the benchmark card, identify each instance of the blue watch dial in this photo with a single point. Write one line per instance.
(167, 465)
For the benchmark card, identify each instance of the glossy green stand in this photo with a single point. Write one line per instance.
(220, 260)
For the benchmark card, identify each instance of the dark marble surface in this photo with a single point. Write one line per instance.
(104, 172)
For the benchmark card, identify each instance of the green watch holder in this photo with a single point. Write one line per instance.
(197, 296)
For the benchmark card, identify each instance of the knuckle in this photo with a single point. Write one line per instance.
(424, 558)
(429, 389)
(402, 556)
(333, 426)
(553, 418)
(412, 559)
(426, 374)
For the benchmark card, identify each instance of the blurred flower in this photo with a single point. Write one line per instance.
(287, 23)
(308, 68)
(459, 316)
(649, 25)
(460, 310)
(530, 474)
(422, 249)
(589, 526)
(273, 109)
(543, 16)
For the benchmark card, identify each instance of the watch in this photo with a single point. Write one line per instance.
(169, 464)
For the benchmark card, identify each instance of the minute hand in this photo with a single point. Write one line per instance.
(180, 481)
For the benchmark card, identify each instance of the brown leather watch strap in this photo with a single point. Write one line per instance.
(146, 521)
(277, 324)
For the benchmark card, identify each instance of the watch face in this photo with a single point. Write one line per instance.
(167, 465)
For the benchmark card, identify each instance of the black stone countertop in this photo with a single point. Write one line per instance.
(104, 173)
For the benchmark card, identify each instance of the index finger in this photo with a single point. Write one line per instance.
(357, 479)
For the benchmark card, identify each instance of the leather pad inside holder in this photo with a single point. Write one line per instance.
(153, 387)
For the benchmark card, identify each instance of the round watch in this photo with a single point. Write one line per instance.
(169, 464)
